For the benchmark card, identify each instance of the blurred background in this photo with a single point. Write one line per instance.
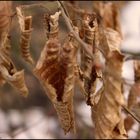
(34, 117)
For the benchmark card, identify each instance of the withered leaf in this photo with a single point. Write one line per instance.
(108, 109)
(55, 70)
(25, 23)
(51, 24)
(8, 70)
(107, 117)
(88, 67)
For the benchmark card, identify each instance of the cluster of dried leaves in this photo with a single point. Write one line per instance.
(58, 68)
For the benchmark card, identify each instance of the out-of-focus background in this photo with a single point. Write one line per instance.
(34, 117)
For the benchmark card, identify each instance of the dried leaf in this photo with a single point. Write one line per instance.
(57, 74)
(16, 80)
(26, 29)
(55, 69)
(8, 71)
(108, 110)
(51, 24)
(90, 28)
(108, 119)
(5, 16)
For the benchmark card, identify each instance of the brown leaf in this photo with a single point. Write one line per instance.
(90, 28)
(55, 70)
(16, 80)
(51, 24)
(25, 23)
(108, 119)
(8, 70)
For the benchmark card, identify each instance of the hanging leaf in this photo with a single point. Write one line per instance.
(16, 80)
(88, 65)
(25, 23)
(55, 69)
(107, 115)
(8, 70)
(57, 74)
(51, 24)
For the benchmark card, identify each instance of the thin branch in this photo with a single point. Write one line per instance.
(131, 114)
(65, 10)
(131, 52)
(131, 55)
(69, 25)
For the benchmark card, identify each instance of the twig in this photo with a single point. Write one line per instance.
(69, 25)
(131, 55)
(65, 10)
(131, 113)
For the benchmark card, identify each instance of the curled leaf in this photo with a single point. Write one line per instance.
(108, 109)
(16, 80)
(90, 28)
(26, 28)
(55, 69)
(8, 70)
(51, 24)
(107, 116)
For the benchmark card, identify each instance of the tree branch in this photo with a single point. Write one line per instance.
(70, 27)
(131, 114)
